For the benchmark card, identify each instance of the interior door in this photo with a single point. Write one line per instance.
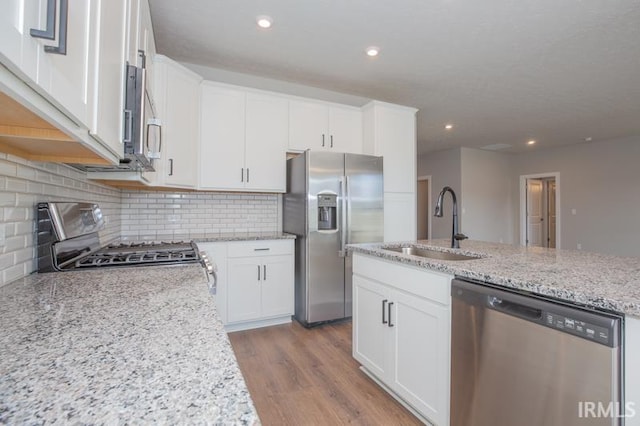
(535, 213)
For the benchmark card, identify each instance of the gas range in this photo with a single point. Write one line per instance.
(141, 253)
(67, 236)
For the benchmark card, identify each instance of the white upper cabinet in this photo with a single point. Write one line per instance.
(242, 139)
(65, 67)
(177, 97)
(390, 131)
(265, 143)
(107, 114)
(323, 126)
(18, 50)
(222, 135)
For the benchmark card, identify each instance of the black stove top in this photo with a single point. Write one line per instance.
(141, 253)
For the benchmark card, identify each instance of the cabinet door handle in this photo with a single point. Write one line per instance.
(128, 125)
(50, 29)
(61, 48)
(242, 174)
(331, 141)
(247, 174)
(170, 166)
(389, 313)
(384, 302)
(323, 139)
(258, 272)
(264, 272)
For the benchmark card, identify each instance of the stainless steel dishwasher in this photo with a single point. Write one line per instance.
(520, 360)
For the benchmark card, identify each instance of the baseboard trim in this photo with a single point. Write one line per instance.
(248, 325)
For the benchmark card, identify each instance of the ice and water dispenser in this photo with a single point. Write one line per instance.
(327, 212)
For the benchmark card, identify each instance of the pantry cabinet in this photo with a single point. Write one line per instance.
(401, 332)
(322, 126)
(242, 139)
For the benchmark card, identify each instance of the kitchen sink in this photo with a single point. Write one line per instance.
(431, 254)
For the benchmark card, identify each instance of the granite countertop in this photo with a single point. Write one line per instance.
(590, 279)
(117, 346)
(205, 237)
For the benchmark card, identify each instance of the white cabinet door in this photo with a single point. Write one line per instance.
(222, 135)
(420, 352)
(180, 126)
(243, 289)
(345, 129)
(308, 125)
(133, 31)
(370, 325)
(400, 216)
(66, 77)
(266, 141)
(18, 50)
(277, 285)
(108, 81)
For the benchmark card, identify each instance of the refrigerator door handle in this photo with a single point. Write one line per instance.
(347, 212)
(343, 217)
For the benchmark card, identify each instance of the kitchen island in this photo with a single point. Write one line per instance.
(126, 345)
(415, 294)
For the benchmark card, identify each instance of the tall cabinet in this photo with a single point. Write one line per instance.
(390, 131)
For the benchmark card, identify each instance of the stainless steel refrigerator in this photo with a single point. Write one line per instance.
(332, 199)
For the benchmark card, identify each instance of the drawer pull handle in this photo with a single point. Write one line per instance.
(262, 249)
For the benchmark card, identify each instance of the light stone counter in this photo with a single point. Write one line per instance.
(595, 280)
(207, 237)
(117, 346)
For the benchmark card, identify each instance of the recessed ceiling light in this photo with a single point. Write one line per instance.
(373, 51)
(264, 21)
(449, 126)
(531, 142)
(588, 139)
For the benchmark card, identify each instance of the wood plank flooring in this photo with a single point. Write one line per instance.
(298, 376)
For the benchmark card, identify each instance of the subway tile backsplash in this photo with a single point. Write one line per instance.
(130, 214)
(23, 184)
(165, 215)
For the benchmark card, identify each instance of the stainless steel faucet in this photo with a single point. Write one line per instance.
(455, 235)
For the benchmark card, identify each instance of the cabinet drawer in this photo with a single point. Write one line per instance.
(431, 285)
(259, 248)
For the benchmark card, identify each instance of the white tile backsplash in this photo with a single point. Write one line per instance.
(23, 184)
(151, 214)
(129, 214)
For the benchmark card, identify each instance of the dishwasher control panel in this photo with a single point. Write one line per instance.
(577, 327)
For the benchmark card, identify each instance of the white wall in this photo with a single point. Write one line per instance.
(445, 170)
(487, 208)
(601, 181)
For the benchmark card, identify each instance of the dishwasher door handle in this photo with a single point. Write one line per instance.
(514, 308)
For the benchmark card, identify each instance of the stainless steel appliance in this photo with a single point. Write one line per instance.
(332, 199)
(524, 360)
(67, 237)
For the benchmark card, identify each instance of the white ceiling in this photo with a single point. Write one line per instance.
(502, 71)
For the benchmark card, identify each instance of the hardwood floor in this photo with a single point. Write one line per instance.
(298, 376)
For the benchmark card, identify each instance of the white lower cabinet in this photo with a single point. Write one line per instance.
(401, 332)
(255, 282)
